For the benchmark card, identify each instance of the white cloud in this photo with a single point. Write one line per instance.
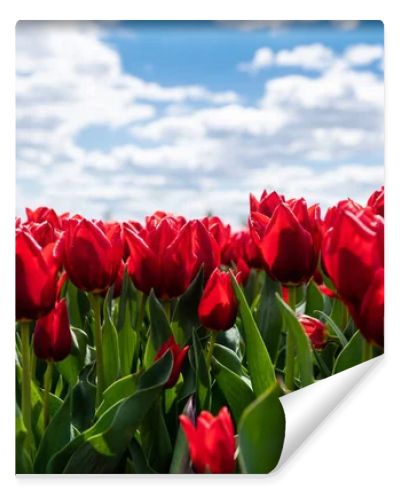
(205, 150)
(363, 54)
(262, 58)
(314, 56)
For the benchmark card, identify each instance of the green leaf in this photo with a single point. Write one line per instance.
(228, 358)
(269, 318)
(185, 317)
(304, 349)
(55, 437)
(23, 462)
(237, 393)
(83, 400)
(261, 433)
(203, 381)
(101, 452)
(314, 299)
(78, 305)
(160, 329)
(70, 367)
(140, 465)
(127, 342)
(351, 355)
(110, 345)
(259, 363)
(120, 389)
(333, 328)
(156, 442)
(180, 463)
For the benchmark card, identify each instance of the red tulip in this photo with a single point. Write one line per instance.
(218, 305)
(218, 229)
(267, 203)
(289, 252)
(211, 442)
(242, 246)
(167, 256)
(52, 336)
(370, 316)
(92, 254)
(351, 253)
(377, 201)
(43, 214)
(36, 277)
(315, 330)
(178, 355)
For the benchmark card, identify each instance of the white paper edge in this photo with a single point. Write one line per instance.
(307, 408)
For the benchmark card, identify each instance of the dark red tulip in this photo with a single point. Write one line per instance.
(211, 442)
(178, 356)
(369, 318)
(267, 203)
(43, 214)
(242, 246)
(92, 254)
(167, 256)
(218, 229)
(377, 201)
(316, 331)
(52, 335)
(35, 277)
(43, 232)
(351, 254)
(286, 243)
(218, 305)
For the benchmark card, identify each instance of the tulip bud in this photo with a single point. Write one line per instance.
(178, 356)
(35, 277)
(315, 330)
(92, 254)
(52, 336)
(211, 442)
(218, 305)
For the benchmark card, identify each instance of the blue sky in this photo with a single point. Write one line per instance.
(121, 119)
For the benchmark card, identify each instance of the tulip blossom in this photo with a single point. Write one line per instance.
(377, 201)
(167, 255)
(287, 242)
(36, 277)
(267, 203)
(43, 214)
(315, 330)
(92, 254)
(369, 318)
(218, 229)
(211, 442)
(178, 356)
(52, 336)
(218, 305)
(241, 246)
(350, 255)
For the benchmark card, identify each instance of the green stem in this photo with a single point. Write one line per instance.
(26, 381)
(290, 346)
(213, 340)
(140, 316)
(48, 377)
(33, 365)
(167, 308)
(99, 347)
(366, 350)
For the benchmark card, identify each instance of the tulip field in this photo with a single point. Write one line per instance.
(164, 345)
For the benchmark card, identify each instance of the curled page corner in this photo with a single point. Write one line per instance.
(307, 408)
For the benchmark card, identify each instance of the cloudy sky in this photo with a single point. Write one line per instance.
(121, 119)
